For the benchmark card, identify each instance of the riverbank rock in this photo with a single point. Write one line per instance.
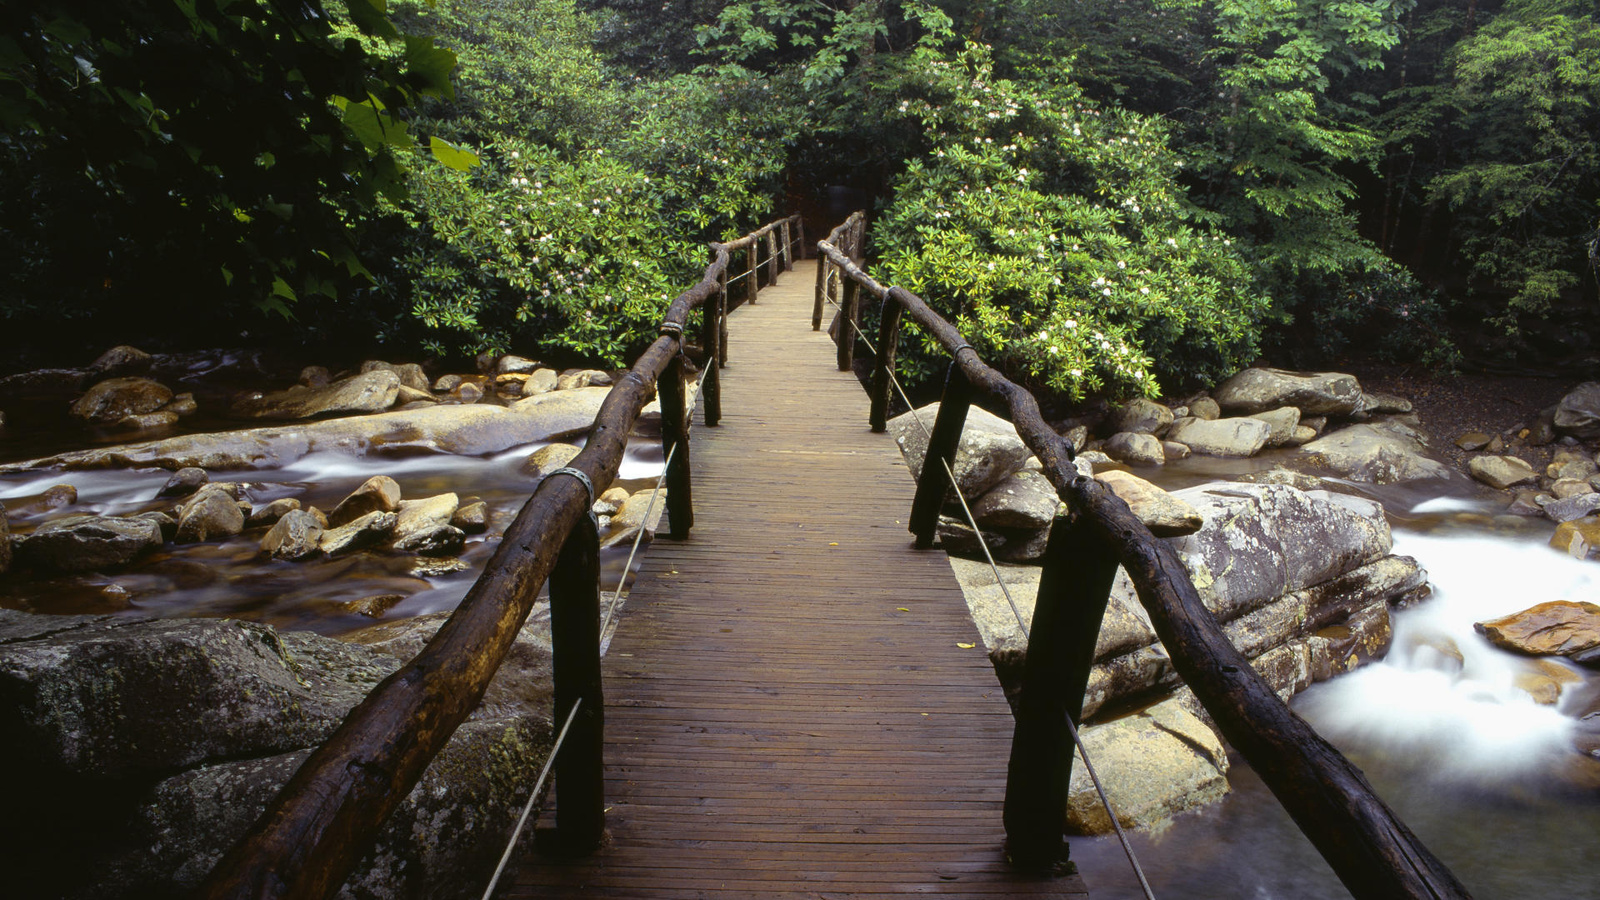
(1025, 499)
(211, 514)
(547, 459)
(183, 483)
(89, 543)
(1501, 472)
(1579, 538)
(369, 530)
(1221, 437)
(371, 391)
(1154, 764)
(1164, 514)
(989, 450)
(1135, 449)
(113, 400)
(380, 493)
(1313, 393)
(1284, 422)
(475, 430)
(296, 535)
(631, 517)
(1556, 628)
(1578, 413)
(1386, 453)
(1141, 416)
(177, 733)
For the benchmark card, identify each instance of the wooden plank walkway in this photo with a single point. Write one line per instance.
(789, 709)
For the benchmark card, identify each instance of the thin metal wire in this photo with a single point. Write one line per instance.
(533, 797)
(1072, 730)
(655, 492)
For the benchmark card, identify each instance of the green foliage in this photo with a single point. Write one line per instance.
(1524, 98)
(165, 154)
(596, 194)
(1054, 233)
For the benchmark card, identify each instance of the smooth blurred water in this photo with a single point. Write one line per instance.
(1486, 777)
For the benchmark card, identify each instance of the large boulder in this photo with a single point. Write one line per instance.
(1555, 628)
(547, 459)
(371, 391)
(1578, 413)
(1221, 437)
(296, 535)
(1376, 454)
(1261, 541)
(1025, 499)
(98, 698)
(217, 716)
(1164, 514)
(1313, 393)
(1501, 472)
(211, 514)
(1135, 449)
(89, 543)
(380, 493)
(1284, 421)
(115, 399)
(1154, 764)
(1141, 416)
(1578, 538)
(989, 450)
(121, 360)
(475, 430)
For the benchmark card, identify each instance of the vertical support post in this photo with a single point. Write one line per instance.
(722, 317)
(675, 436)
(800, 234)
(575, 664)
(788, 248)
(883, 365)
(823, 264)
(711, 340)
(772, 257)
(933, 484)
(1079, 567)
(847, 330)
(752, 287)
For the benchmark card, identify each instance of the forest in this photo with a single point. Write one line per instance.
(1112, 197)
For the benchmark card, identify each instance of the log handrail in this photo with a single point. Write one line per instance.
(1367, 845)
(324, 820)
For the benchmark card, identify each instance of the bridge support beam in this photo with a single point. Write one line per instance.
(1079, 567)
(849, 319)
(883, 365)
(711, 338)
(933, 484)
(575, 671)
(823, 267)
(675, 447)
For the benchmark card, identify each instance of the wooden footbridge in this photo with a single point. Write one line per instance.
(796, 703)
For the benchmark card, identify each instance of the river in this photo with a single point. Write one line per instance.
(1483, 774)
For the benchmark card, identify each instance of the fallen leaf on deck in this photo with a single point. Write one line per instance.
(966, 646)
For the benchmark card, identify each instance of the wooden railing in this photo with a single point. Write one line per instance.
(1369, 848)
(320, 824)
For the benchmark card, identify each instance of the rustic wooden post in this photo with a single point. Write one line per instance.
(847, 332)
(721, 300)
(933, 484)
(575, 670)
(675, 447)
(788, 248)
(1079, 567)
(883, 365)
(823, 264)
(772, 256)
(711, 338)
(752, 287)
(800, 234)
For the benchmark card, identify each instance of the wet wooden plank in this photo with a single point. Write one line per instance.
(789, 710)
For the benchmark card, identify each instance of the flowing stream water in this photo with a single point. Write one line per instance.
(1443, 727)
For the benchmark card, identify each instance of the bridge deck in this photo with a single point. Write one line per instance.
(790, 711)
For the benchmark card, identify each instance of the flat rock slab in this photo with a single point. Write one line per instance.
(1557, 628)
(469, 430)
